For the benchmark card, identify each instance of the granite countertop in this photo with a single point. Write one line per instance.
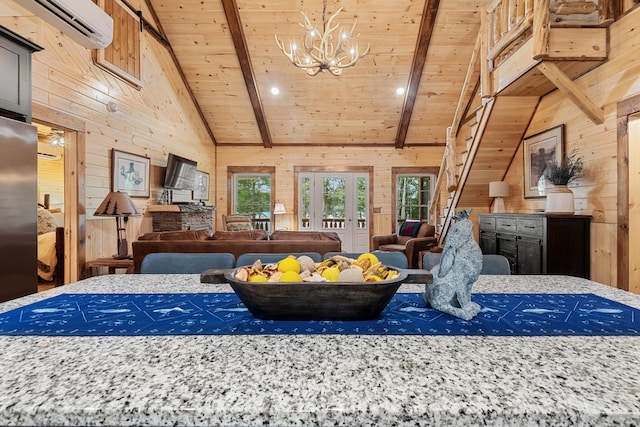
(320, 380)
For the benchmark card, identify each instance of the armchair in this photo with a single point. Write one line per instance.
(411, 238)
(236, 222)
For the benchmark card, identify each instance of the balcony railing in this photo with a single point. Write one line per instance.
(334, 223)
(327, 223)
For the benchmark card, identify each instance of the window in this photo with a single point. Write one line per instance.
(122, 57)
(252, 194)
(413, 192)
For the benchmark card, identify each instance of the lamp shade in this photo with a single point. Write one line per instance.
(498, 189)
(117, 203)
(278, 208)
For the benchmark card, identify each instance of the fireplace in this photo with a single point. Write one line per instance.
(181, 217)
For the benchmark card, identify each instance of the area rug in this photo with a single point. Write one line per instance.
(406, 314)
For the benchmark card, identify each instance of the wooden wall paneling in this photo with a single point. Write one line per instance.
(336, 158)
(153, 121)
(51, 178)
(597, 193)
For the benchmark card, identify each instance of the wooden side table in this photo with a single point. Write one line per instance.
(111, 263)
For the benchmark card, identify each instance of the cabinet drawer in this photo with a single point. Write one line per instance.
(506, 224)
(529, 227)
(487, 223)
(507, 245)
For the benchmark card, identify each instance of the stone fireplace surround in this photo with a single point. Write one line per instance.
(181, 217)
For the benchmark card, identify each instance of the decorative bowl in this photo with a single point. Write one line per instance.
(319, 300)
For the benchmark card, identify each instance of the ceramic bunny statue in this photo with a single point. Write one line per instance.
(458, 270)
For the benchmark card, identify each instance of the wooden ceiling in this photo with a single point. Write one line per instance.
(227, 52)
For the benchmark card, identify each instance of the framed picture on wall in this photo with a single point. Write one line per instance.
(201, 191)
(539, 150)
(130, 173)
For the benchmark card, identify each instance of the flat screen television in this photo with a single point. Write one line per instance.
(180, 174)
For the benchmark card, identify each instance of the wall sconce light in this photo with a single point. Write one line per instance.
(119, 205)
(498, 190)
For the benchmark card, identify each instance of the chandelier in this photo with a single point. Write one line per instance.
(319, 52)
(56, 138)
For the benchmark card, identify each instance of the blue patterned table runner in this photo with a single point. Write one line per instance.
(406, 314)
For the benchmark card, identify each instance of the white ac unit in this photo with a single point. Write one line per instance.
(81, 20)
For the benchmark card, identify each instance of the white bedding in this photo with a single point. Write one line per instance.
(47, 259)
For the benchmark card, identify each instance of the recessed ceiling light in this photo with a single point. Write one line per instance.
(400, 91)
(275, 90)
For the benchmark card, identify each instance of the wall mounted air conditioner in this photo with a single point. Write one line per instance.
(81, 20)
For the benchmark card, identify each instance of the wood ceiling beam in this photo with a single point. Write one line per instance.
(240, 43)
(419, 59)
(572, 91)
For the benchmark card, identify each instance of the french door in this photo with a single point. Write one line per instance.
(336, 201)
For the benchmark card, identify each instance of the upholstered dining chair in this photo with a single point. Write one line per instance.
(185, 263)
(491, 263)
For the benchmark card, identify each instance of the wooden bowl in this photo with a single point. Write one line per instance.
(315, 300)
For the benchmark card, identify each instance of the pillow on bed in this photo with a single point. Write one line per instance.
(46, 221)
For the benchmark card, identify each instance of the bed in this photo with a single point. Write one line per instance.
(50, 246)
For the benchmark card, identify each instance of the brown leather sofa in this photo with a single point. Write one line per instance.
(233, 242)
(411, 239)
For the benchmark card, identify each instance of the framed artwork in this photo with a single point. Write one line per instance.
(130, 173)
(201, 191)
(539, 150)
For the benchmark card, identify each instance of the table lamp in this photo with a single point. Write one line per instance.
(278, 209)
(119, 205)
(498, 190)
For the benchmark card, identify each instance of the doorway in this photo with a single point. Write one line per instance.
(338, 202)
(74, 186)
(628, 176)
(50, 191)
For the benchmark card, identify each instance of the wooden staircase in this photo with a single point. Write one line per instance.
(495, 137)
(519, 58)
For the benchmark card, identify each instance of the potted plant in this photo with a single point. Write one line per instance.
(560, 197)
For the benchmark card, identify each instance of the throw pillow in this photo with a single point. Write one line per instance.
(46, 221)
(238, 223)
(410, 228)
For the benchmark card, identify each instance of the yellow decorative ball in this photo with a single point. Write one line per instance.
(289, 264)
(372, 258)
(290, 276)
(331, 274)
(257, 278)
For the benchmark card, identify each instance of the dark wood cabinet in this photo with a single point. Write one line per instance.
(15, 73)
(539, 243)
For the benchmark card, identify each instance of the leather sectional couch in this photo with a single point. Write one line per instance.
(233, 242)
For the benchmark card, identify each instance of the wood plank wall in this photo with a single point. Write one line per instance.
(153, 121)
(612, 82)
(334, 158)
(51, 177)
(159, 119)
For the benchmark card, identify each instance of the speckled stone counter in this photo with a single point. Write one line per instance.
(320, 380)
